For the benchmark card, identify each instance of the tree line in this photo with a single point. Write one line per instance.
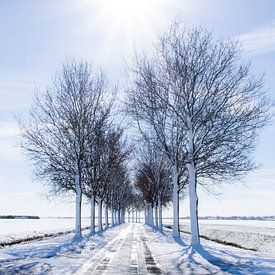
(196, 110)
(75, 145)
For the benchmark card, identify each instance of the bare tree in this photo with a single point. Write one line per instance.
(62, 121)
(220, 106)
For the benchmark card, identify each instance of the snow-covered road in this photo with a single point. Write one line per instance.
(127, 253)
(131, 249)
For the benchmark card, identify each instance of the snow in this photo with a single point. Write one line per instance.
(259, 235)
(54, 255)
(16, 229)
(179, 258)
(131, 247)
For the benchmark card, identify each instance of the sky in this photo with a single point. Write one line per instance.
(38, 36)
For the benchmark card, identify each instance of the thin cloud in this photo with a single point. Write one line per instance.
(9, 149)
(260, 40)
(8, 130)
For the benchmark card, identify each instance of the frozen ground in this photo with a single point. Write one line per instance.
(259, 235)
(131, 249)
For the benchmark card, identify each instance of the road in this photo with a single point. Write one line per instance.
(127, 253)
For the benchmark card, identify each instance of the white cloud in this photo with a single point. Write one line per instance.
(259, 41)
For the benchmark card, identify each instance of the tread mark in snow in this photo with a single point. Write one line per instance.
(149, 260)
(134, 254)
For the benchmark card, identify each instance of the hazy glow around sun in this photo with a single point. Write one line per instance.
(126, 24)
(132, 14)
(129, 8)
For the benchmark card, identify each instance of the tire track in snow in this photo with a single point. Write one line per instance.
(151, 265)
(128, 253)
(120, 263)
(134, 253)
(100, 263)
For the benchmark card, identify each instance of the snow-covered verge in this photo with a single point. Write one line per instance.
(250, 236)
(59, 255)
(212, 258)
(15, 231)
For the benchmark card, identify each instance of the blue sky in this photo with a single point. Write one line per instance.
(37, 36)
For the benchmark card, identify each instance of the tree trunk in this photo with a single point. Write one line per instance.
(78, 201)
(119, 215)
(115, 215)
(136, 216)
(176, 232)
(160, 217)
(112, 214)
(92, 226)
(100, 216)
(156, 217)
(129, 216)
(151, 216)
(106, 217)
(193, 198)
(123, 215)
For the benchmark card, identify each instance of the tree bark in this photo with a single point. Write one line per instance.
(112, 214)
(100, 216)
(115, 216)
(123, 214)
(119, 215)
(151, 215)
(193, 198)
(176, 232)
(78, 201)
(160, 217)
(92, 222)
(156, 217)
(106, 217)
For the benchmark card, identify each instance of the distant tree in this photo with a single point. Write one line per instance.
(111, 169)
(148, 103)
(154, 174)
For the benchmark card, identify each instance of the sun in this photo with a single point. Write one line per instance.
(129, 9)
(131, 15)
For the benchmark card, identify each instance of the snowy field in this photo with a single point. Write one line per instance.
(15, 229)
(259, 235)
(128, 248)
